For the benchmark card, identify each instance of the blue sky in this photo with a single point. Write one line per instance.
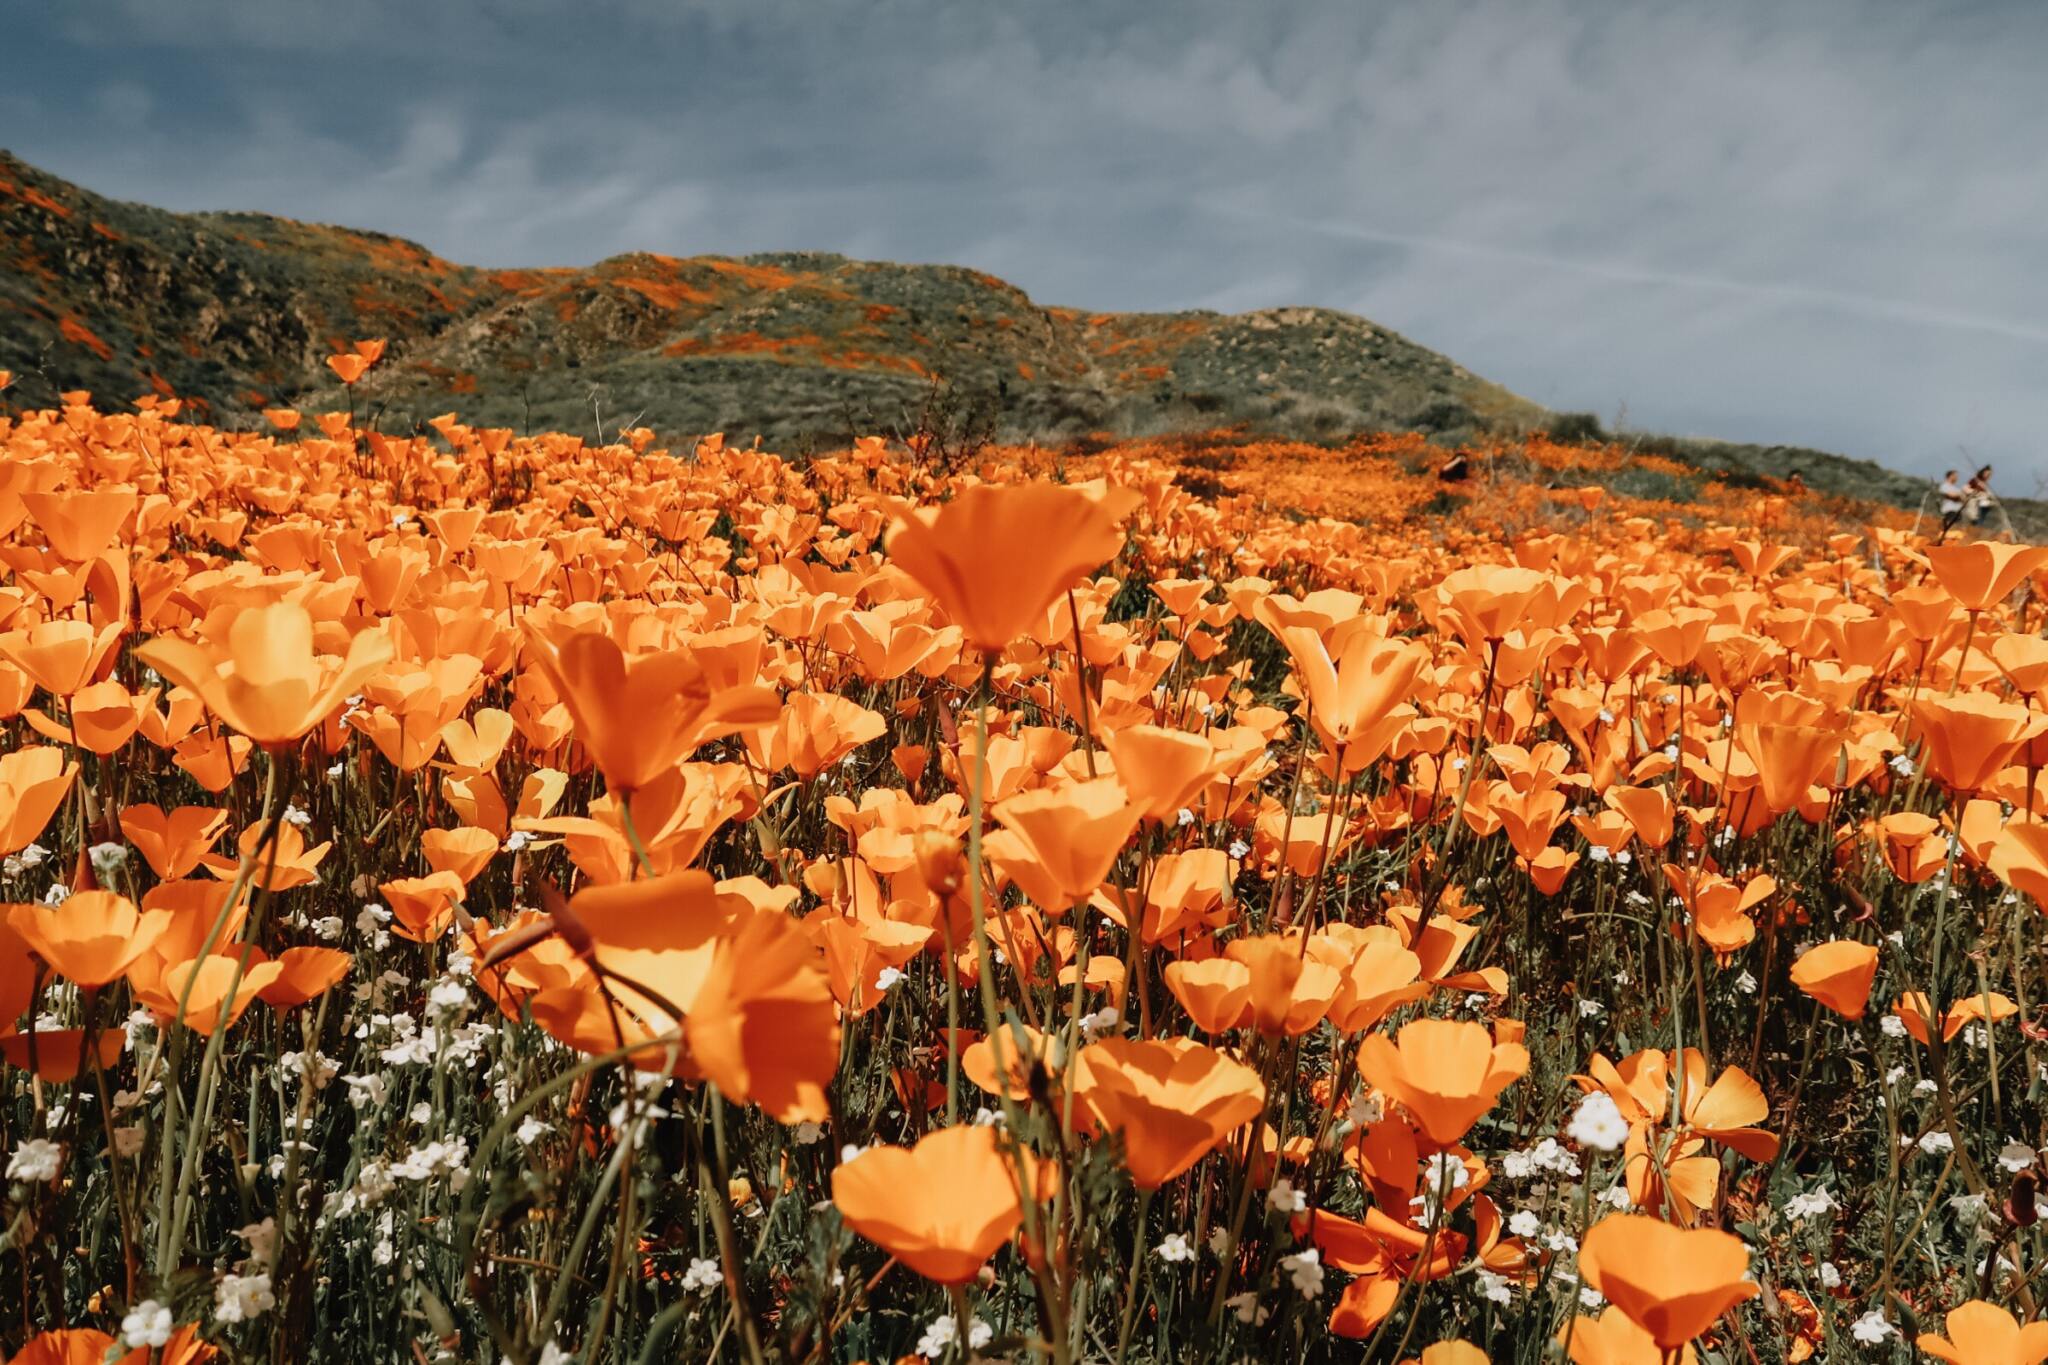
(1823, 223)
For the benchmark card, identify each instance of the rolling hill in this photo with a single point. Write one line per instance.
(238, 311)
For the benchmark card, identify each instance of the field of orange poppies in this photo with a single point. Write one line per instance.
(478, 897)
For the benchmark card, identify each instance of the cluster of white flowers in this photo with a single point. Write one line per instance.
(1305, 1268)
(1547, 1157)
(34, 856)
(35, 1161)
(1283, 1198)
(1442, 1175)
(1248, 1309)
(242, 1298)
(703, 1274)
(942, 1331)
(1872, 1328)
(146, 1326)
(1597, 1123)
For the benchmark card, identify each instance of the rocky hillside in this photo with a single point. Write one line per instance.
(240, 310)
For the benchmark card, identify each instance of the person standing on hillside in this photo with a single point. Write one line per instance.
(1951, 501)
(1977, 495)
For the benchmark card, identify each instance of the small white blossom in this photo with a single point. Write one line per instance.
(1284, 1198)
(886, 978)
(242, 1298)
(1175, 1248)
(1305, 1268)
(1872, 1329)
(107, 859)
(36, 1161)
(702, 1274)
(1597, 1123)
(147, 1325)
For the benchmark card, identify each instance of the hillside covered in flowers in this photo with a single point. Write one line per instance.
(480, 897)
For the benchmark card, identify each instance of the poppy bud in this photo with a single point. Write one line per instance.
(2021, 1209)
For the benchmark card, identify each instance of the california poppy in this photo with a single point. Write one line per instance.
(942, 1207)
(998, 555)
(1171, 1101)
(265, 679)
(1981, 1333)
(1446, 1073)
(1672, 1282)
(91, 938)
(1838, 974)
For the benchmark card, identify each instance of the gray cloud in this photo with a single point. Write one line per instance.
(1816, 223)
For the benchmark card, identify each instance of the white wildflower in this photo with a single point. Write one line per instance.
(1597, 1123)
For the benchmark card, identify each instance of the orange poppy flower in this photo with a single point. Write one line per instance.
(1445, 1073)
(464, 852)
(1982, 573)
(1216, 992)
(1988, 1007)
(1838, 974)
(763, 1027)
(1450, 1353)
(1971, 736)
(284, 864)
(1355, 702)
(264, 679)
(942, 1207)
(1161, 769)
(104, 716)
(60, 656)
(304, 974)
(92, 937)
(348, 368)
(1171, 1101)
(814, 731)
(422, 908)
(1672, 1282)
(1058, 843)
(173, 844)
(1981, 1333)
(59, 1054)
(1613, 1338)
(998, 555)
(2019, 855)
(640, 714)
(84, 1346)
(33, 781)
(216, 989)
(81, 523)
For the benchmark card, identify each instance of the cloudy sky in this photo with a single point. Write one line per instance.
(1821, 223)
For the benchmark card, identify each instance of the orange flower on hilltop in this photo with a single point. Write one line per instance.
(1672, 1282)
(1445, 1073)
(998, 555)
(264, 679)
(942, 1207)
